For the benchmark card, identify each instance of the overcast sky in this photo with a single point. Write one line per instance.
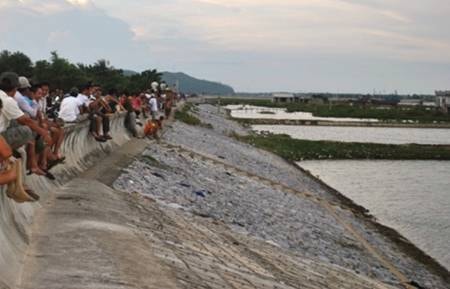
(253, 45)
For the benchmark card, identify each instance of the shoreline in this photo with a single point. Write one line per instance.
(396, 237)
(400, 243)
(151, 214)
(300, 122)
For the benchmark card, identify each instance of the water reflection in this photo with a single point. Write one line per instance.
(362, 134)
(412, 197)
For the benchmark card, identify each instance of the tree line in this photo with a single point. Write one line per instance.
(62, 74)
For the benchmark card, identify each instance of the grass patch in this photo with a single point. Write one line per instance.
(207, 125)
(151, 161)
(298, 150)
(185, 115)
(187, 118)
(389, 114)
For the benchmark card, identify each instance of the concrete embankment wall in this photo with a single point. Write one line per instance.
(81, 152)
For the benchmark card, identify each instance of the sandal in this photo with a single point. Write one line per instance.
(52, 163)
(99, 139)
(32, 194)
(49, 176)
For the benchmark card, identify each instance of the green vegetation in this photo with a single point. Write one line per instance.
(62, 74)
(151, 161)
(388, 114)
(185, 115)
(395, 113)
(297, 150)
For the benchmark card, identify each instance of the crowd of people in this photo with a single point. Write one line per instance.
(33, 117)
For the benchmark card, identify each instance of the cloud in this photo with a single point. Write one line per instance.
(78, 30)
(236, 40)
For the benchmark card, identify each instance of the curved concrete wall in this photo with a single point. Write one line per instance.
(81, 151)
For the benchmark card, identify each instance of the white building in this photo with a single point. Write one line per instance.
(443, 100)
(284, 97)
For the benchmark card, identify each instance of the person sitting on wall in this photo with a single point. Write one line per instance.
(55, 126)
(130, 118)
(70, 108)
(10, 174)
(43, 151)
(15, 126)
(113, 101)
(99, 111)
(25, 100)
(84, 99)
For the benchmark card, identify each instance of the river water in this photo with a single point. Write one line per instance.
(259, 112)
(362, 134)
(412, 197)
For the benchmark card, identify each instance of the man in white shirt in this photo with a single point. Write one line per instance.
(69, 110)
(83, 97)
(153, 106)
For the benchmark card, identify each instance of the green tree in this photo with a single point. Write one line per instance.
(59, 72)
(17, 62)
(63, 74)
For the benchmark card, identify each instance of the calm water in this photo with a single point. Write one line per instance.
(412, 197)
(362, 134)
(260, 112)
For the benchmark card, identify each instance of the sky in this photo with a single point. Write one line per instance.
(253, 45)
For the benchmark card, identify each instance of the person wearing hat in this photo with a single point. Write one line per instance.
(23, 98)
(15, 125)
(30, 107)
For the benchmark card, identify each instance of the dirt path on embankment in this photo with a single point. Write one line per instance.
(196, 223)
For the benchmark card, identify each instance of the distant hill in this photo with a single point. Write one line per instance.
(190, 85)
(128, 72)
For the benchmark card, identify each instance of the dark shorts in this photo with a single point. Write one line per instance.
(40, 145)
(17, 135)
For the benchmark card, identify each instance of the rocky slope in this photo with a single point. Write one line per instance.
(256, 201)
(201, 210)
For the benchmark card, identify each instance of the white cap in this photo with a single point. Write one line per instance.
(23, 82)
(155, 85)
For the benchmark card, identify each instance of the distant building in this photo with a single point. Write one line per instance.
(284, 98)
(443, 100)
